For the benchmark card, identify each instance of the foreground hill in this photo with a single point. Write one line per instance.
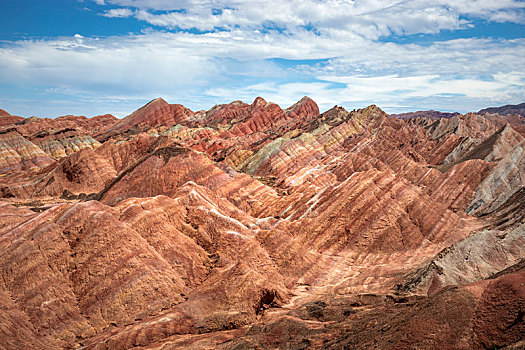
(252, 226)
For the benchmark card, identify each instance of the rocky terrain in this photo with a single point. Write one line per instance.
(250, 226)
(500, 116)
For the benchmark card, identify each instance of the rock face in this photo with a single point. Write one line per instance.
(156, 112)
(253, 226)
(17, 153)
(84, 172)
(306, 107)
(8, 119)
(63, 142)
(32, 127)
(517, 121)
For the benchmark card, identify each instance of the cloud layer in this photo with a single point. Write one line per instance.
(371, 19)
(339, 52)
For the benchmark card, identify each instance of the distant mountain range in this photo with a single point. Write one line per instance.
(511, 114)
(424, 114)
(505, 110)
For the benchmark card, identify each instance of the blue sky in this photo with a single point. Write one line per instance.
(91, 57)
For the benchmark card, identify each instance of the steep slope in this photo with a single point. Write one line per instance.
(156, 112)
(303, 109)
(495, 247)
(83, 172)
(7, 119)
(61, 143)
(517, 121)
(31, 127)
(82, 292)
(19, 154)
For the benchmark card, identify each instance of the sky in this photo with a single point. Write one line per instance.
(91, 57)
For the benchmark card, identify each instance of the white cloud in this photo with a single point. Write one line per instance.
(118, 13)
(508, 16)
(369, 18)
(461, 57)
(385, 87)
(220, 67)
(235, 61)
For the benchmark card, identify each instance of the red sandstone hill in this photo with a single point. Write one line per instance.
(89, 126)
(251, 226)
(156, 112)
(8, 119)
